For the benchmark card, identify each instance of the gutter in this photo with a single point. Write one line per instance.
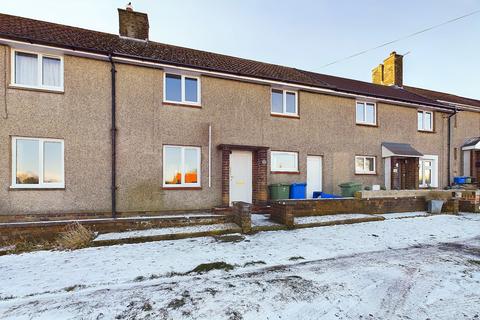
(142, 61)
(449, 147)
(113, 131)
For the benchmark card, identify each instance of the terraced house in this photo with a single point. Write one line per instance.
(97, 122)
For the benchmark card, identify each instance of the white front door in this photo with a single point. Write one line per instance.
(241, 176)
(314, 175)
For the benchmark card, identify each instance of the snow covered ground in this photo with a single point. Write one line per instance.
(419, 268)
(331, 218)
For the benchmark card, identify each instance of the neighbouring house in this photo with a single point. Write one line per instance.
(97, 122)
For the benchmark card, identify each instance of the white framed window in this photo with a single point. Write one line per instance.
(365, 165)
(181, 166)
(179, 88)
(366, 113)
(428, 171)
(36, 70)
(425, 120)
(282, 161)
(37, 163)
(284, 102)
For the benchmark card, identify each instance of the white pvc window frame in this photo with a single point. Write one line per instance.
(182, 166)
(423, 114)
(284, 102)
(366, 169)
(182, 86)
(364, 115)
(41, 184)
(39, 84)
(274, 165)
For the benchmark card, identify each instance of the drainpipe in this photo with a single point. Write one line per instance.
(113, 138)
(449, 145)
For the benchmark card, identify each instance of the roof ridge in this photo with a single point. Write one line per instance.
(443, 92)
(64, 36)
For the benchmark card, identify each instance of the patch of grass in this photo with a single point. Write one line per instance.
(139, 279)
(475, 262)
(296, 258)
(147, 307)
(7, 298)
(253, 263)
(76, 236)
(230, 238)
(206, 267)
(24, 244)
(178, 303)
(74, 287)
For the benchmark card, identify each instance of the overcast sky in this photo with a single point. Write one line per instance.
(306, 34)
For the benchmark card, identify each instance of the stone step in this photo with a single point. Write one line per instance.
(335, 219)
(159, 234)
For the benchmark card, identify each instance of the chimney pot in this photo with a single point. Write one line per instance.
(129, 7)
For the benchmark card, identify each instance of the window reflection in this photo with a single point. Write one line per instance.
(27, 162)
(52, 167)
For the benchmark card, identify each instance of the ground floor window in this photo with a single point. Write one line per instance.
(365, 165)
(428, 172)
(282, 161)
(37, 163)
(181, 166)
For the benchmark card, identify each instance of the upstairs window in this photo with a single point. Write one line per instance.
(181, 89)
(35, 70)
(365, 165)
(181, 166)
(284, 102)
(37, 163)
(366, 113)
(282, 161)
(425, 120)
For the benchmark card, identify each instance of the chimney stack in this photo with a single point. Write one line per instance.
(133, 24)
(390, 73)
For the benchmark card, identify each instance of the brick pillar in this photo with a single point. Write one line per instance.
(225, 177)
(283, 214)
(261, 183)
(242, 215)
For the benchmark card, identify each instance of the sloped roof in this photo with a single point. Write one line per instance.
(471, 142)
(442, 96)
(401, 149)
(52, 34)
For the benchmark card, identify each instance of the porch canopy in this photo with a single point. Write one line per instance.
(472, 144)
(392, 149)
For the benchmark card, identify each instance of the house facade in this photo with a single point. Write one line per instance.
(95, 122)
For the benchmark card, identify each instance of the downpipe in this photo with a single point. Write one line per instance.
(449, 148)
(113, 132)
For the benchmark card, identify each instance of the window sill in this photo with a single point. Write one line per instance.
(367, 125)
(285, 172)
(180, 104)
(36, 189)
(37, 89)
(426, 131)
(181, 188)
(366, 174)
(278, 115)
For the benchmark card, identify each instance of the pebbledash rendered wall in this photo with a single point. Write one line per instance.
(465, 124)
(238, 112)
